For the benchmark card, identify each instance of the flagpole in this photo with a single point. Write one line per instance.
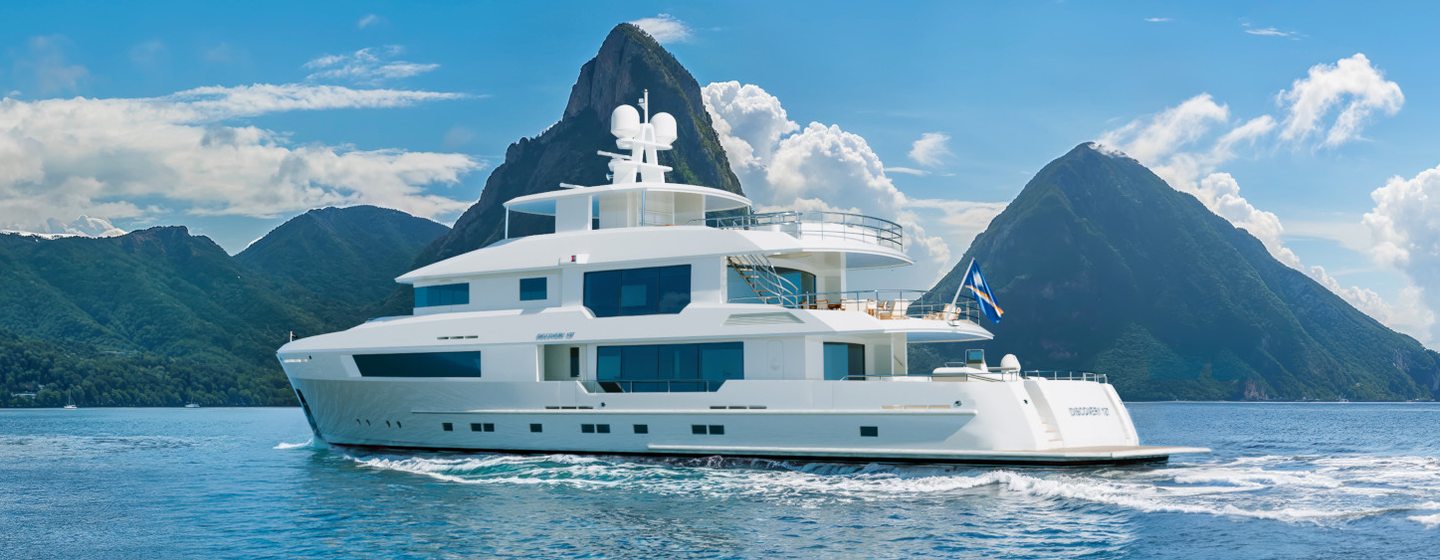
(963, 280)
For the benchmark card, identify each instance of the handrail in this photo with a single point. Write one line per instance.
(881, 304)
(1056, 375)
(856, 227)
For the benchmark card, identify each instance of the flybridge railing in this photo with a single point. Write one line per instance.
(1068, 375)
(881, 304)
(825, 225)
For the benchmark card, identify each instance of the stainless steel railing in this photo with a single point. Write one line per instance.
(825, 225)
(881, 304)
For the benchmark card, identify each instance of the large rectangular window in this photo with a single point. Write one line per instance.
(653, 368)
(448, 294)
(419, 364)
(638, 291)
(532, 289)
(843, 360)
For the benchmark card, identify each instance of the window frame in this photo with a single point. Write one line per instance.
(440, 295)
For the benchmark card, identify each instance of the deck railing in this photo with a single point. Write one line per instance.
(825, 225)
(881, 304)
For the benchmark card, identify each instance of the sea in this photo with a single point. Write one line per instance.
(1343, 480)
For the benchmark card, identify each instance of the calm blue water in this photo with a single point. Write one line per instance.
(1286, 481)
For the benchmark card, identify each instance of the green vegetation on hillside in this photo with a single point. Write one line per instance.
(1100, 265)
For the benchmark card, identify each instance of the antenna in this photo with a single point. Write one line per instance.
(645, 105)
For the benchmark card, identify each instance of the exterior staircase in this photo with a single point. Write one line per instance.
(760, 275)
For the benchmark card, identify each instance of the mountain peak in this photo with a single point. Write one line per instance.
(1101, 265)
(628, 63)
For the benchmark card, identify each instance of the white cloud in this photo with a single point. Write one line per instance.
(369, 20)
(931, 149)
(45, 64)
(749, 121)
(1158, 20)
(1352, 85)
(906, 171)
(1405, 224)
(824, 167)
(1269, 32)
(368, 66)
(665, 28)
(99, 157)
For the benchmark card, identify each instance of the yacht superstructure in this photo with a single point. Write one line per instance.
(663, 318)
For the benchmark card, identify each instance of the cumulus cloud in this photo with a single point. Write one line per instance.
(1351, 86)
(1188, 144)
(45, 64)
(368, 66)
(824, 167)
(931, 149)
(665, 28)
(1405, 224)
(61, 158)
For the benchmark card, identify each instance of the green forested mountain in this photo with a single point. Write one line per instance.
(1100, 265)
(341, 263)
(161, 317)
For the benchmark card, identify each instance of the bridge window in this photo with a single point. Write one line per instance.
(532, 289)
(638, 291)
(420, 364)
(448, 294)
(669, 368)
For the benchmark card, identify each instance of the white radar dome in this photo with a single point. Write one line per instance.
(1009, 363)
(625, 122)
(664, 128)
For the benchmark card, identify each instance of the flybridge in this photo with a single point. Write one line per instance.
(638, 194)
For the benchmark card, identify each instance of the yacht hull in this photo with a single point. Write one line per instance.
(919, 419)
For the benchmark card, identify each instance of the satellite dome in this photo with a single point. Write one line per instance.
(625, 122)
(1009, 363)
(664, 128)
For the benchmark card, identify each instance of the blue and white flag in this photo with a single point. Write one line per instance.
(983, 296)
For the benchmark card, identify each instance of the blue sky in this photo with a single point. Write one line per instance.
(1002, 88)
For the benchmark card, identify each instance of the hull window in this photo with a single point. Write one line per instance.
(532, 289)
(638, 291)
(448, 294)
(669, 368)
(843, 360)
(420, 364)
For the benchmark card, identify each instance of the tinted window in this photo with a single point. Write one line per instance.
(420, 364)
(843, 360)
(652, 368)
(532, 289)
(448, 294)
(638, 291)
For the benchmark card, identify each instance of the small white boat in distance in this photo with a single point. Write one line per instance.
(192, 405)
(69, 403)
(669, 319)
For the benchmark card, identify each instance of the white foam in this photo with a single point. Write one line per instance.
(1429, 521)
(1287, 489)
(285, 445)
